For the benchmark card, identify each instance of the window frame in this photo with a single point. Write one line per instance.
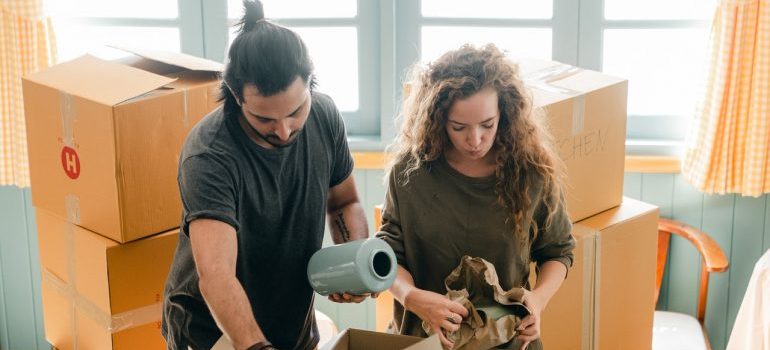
(389, 35)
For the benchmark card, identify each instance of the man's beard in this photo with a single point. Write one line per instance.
(273, 139)
(276, 142)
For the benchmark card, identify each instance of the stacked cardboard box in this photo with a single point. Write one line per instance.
(100, 294)
(614, 271)
(104, 140)
(585, 113)
(606, 302)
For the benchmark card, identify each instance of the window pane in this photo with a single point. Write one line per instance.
(488, 8)
(335, 55)
(659, 9)
(298, 8)
(664, 67)
(115, 9)
(528, 42)
(75, 40)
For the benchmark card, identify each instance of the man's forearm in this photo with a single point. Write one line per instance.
(232, 311)
(348, 223)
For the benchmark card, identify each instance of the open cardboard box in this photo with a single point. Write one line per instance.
(104, 138)
(357, 339)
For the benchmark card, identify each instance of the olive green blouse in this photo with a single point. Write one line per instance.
(440, 215)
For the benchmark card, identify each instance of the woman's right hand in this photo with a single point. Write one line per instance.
(438, 311)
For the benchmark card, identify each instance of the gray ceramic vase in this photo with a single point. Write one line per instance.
(357, 267)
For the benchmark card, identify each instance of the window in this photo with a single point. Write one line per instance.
(660, 46)
(88, 25)
(362, 48)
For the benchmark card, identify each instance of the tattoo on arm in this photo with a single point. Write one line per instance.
(340, 221)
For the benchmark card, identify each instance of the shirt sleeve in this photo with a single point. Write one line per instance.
(554, 242)
(342, 165)
(390, 227)
(208, 191)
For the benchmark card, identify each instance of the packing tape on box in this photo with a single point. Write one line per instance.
(588, 267)
(67, 112)
(69, 254)
(72, 208)
(578, 114)
(598, 285)
(589, 272)
(111, 323)
(543, 79)
(185, 116)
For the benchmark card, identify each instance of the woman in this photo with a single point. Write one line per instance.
(473, 174)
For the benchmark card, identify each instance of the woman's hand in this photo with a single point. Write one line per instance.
(529, 328)
(438, 311)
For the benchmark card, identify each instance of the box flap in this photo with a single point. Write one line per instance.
(102, 81)
(562, 78)
(176, 59)
(629, 209)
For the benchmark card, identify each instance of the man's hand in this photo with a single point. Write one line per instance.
(351, 298)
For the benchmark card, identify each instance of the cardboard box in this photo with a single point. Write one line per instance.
(586, 114)
(607, 300)
(104, 138)
(98, 293)
(357, 339)
(567, 322)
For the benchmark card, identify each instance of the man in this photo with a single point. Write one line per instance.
(255, 177)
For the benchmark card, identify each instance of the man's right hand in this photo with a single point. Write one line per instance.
(438, 311)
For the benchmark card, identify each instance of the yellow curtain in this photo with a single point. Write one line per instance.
(728, 147)
(26, 45)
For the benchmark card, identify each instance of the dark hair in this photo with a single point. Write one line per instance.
(264, 54)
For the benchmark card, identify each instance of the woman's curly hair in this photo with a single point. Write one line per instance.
(524, 155)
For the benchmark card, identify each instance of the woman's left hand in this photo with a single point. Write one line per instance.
(529, 328)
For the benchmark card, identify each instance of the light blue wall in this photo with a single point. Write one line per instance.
(739, 224)
(21, 313)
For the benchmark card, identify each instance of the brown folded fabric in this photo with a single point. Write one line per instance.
(493, 313)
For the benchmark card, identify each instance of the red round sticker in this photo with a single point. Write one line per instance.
(70, 162)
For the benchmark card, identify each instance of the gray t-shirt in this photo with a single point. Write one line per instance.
(276, 201)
